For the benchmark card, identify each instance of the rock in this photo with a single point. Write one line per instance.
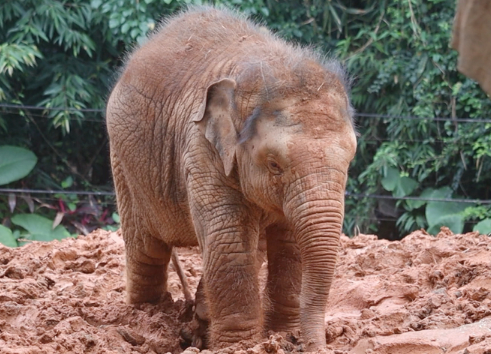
(191, 350)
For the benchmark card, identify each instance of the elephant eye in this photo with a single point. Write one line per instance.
(274, 167)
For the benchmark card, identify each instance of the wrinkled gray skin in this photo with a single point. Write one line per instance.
(221, 133)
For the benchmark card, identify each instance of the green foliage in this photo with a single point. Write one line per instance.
(39, 228)
(15, 163)
(399, 54)
(63, 55)
(436, 214)
(6, 237)
(116, 225)
(14, 56)
(115, 217)
(57, 34)
(440, 214)
(399, 186)
(133, 22)
(483, 227)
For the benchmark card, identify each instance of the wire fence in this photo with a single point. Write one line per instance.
(112, 201)
(17, 191)
(361, 115)
(69, 109)
(16, 108)
(437, 119)
(6, 191)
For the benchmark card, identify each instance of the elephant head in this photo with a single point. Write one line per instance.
(288, 138)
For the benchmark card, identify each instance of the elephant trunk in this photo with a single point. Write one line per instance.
(316, 213)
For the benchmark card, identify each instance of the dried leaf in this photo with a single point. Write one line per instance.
(95, 205)
(80, 227)
(57, 220)
(30, 202)
(12, 201)
(44, 205)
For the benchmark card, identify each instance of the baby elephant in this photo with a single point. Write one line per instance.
(222, 134)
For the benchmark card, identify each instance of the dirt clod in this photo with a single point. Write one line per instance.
(416, 295)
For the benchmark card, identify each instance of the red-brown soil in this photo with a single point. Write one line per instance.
(423, 294)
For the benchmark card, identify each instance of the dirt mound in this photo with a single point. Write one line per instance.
(423, 294)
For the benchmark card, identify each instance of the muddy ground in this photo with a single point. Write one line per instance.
(423, 294)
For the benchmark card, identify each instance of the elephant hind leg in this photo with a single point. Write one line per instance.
(146, 256)
(147, 259)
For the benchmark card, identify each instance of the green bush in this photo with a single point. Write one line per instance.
(15, 164)
(403, 66)
(61, 54)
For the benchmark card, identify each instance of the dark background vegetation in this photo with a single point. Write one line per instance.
(63, 55)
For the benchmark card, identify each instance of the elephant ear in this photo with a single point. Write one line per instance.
(215, 120)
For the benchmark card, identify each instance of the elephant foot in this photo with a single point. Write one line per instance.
(146, 276)
(198, 333)
(195, 333)
(139, 294)
(165, 300)
(241, 330)
(318, 346)
(282, 318)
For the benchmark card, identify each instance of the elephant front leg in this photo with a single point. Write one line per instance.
(282, 293)
(231, 285)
